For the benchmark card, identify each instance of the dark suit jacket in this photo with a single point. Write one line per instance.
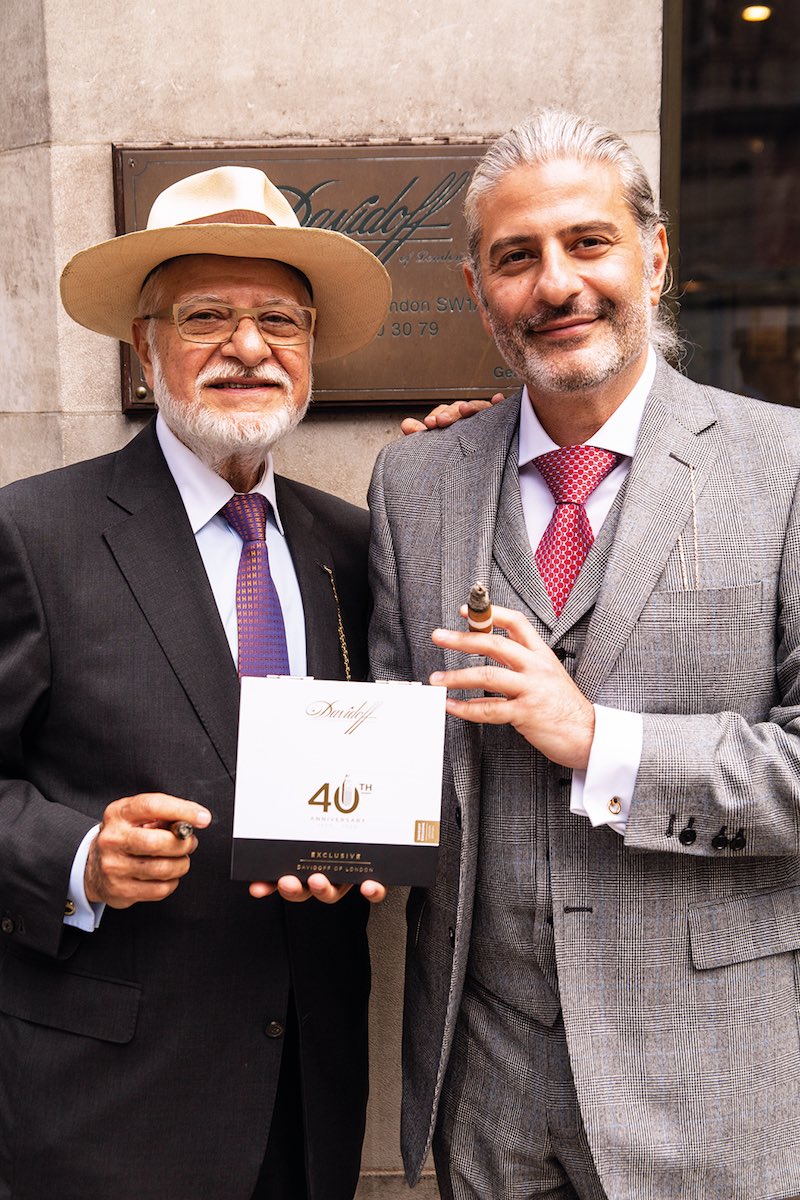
(135, 1061)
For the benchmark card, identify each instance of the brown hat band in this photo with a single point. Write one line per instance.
(234, 216)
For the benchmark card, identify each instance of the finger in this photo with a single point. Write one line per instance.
(292, 889)
(151, 869)
(322, 889)
(139, 841)
(468, 408)
(515, 624)
(504, 651)
(161, 808)
(484, 710)
(259, 890)
(412, 425)
(497, 398)
(373, 891)
(483, 678)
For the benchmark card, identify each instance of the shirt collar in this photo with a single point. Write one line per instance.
(619, 433)
(202, 491)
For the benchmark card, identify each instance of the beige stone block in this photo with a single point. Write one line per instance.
(24, 100)
(336, 451)
(86, 435)
(31, 443)
(387, 938)
(442, 68)
(27, 295)
(83, 214)
(389, 1185)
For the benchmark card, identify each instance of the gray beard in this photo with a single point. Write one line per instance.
(628, 327)
(217, 437)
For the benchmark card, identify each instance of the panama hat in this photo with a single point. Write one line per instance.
(233, 211)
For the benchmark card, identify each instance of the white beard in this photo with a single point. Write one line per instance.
(217, 437)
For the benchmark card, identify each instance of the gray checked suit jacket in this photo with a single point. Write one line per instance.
(677, 959)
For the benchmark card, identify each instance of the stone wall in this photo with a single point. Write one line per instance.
(83, 74)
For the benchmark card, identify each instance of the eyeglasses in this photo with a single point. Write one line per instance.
(213, 324)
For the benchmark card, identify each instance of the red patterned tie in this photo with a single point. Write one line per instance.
(262, 637)
(572, 473)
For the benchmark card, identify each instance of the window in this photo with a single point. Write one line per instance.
(738, 192)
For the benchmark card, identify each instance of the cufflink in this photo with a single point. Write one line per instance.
(615, 805)
(69, 908)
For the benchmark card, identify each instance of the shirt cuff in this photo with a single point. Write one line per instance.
(79, 912)
(604, 791)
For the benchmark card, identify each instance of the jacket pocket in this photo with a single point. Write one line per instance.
(89, 1005)
(744, 928)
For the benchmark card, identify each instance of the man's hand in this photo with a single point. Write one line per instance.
(317, 886)
(445, 414)
(135, 855)
(536, 695)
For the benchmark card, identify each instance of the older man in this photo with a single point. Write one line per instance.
(602, 987)
(164, 1035)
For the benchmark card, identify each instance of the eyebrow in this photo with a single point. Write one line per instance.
(582, 227)
(212, 299)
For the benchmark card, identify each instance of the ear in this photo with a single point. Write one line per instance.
(660, 264)
(469, 276)
(141, 345)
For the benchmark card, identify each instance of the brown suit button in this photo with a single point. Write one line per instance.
(738, 842)
(688, 836)
(274, 1029)
(7, 925)
(69, 908)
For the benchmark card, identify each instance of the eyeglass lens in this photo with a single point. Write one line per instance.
(281, 323)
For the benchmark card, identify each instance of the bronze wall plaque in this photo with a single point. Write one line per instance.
(405, 204)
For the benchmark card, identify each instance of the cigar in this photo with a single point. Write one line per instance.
(182, 830)
(479, 610)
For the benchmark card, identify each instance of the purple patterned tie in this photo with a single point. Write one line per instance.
(262, 637)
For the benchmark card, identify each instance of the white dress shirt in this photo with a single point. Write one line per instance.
(617, 745)
(203, 494)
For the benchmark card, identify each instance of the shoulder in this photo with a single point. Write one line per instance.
(421, 459)
(740, 418)
(57, 492)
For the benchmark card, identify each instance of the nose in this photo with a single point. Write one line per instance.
(246, 344)
(558, 278)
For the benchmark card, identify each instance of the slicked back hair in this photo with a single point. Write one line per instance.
(551, 135)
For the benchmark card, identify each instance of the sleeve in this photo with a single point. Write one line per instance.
(604, 791)
(38, 837)
(717, 784)
(82, 913)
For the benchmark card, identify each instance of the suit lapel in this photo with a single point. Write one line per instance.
(674, 456)
(470, 500)
(314, 567)
(470, 497)
(156, 551)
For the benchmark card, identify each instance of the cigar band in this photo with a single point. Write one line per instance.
(477, 625)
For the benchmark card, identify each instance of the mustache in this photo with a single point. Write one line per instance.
(263, 373)
(546, 314)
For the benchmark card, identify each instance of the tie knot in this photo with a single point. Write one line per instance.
(247, 514)
(573, 472)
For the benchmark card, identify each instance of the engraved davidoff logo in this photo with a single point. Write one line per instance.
(407, 216)
(355, 717)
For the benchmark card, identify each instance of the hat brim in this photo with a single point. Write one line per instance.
(100, 286)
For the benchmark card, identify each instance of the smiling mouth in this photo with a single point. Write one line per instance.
(575, 323)
(242, 384)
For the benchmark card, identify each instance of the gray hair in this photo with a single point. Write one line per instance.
(548, 136)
